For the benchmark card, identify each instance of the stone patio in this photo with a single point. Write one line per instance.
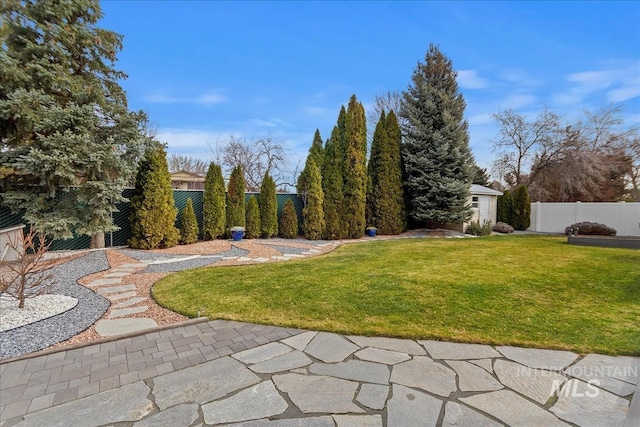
(232, 373)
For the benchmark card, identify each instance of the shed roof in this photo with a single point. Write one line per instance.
(484, 191)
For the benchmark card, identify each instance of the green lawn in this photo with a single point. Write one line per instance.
(519, 290)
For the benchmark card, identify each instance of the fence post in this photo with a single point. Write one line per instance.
(538, 216)
(578, 212)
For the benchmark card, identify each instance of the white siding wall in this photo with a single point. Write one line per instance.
(554, 217)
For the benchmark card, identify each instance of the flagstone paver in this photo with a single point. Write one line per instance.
(373, 396)
(486, 364)
(425, 374)
(456, 415)
(473, 378)
(330, 348)
(259, 401)
(121, 312)
(536, 384)
(180, 415)
(392, 344)
(458, 351)
(103, 282)
(512, 409)
(618, 375)
(202, 383)
(382, 356)
(300, 342)
(286, 362)
(586, 405)
(358, 420)
(356, 370)
(538, 358)
(319, 394)
(115, 289)
(409, 408)
(128, 403)
(262, 353)
(112, 327)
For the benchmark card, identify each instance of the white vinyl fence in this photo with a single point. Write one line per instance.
(554, 217)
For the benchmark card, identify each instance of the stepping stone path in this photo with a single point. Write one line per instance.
(122, 298)
(238, 374)
(125, 301)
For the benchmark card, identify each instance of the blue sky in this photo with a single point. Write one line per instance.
(205, 70)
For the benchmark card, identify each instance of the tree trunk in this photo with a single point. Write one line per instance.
(97, 241)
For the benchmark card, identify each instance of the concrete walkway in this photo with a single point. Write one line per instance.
(230, 373)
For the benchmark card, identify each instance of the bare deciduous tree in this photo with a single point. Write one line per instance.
(179, 162)
(586, 161)
(25, 277)
(255, 156)
(389, 101)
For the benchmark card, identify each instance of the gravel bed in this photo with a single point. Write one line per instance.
(37, 308)
(44, 333)
(288, 250)
(201, 261)
(148, 255)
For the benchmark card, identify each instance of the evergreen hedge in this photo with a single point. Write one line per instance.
(252, 231)
(214, 209)
(289, 221)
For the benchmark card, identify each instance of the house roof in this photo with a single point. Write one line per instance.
(484, 191)
(186, 176)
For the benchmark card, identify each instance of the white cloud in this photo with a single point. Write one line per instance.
(210, 98)
(469, 79)
(618, 84)
(520, 77)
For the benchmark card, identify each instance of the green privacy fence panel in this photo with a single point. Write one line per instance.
(122, 216)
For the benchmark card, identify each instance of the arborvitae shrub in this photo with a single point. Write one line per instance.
(313, 215)
(235, 199)
(153, 209)
(252, 231)
(268, 207)
(521, 208)
(289, 221)
(188, 224)
(214, 205)
(505, 207)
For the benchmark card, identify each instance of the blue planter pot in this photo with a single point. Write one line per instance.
(237, 235)
(371, 233)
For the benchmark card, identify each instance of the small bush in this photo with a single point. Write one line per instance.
(503, 227)
(590, 229)
(188, 224)
(289, 221)
(476, 229)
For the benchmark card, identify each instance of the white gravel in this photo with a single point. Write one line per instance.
(35, 309)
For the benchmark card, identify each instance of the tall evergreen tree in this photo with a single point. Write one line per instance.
(332, 187)
(268, 207)
(253, 218)
(289, 221)
(153, 210)
(355, 170)
(435, 150)
(521, 208)
(214, 205)
(386, 198)
(235, 199)
(68, 143)
(313, 214)
(505, 207)
(188, 224)
(316, 154)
